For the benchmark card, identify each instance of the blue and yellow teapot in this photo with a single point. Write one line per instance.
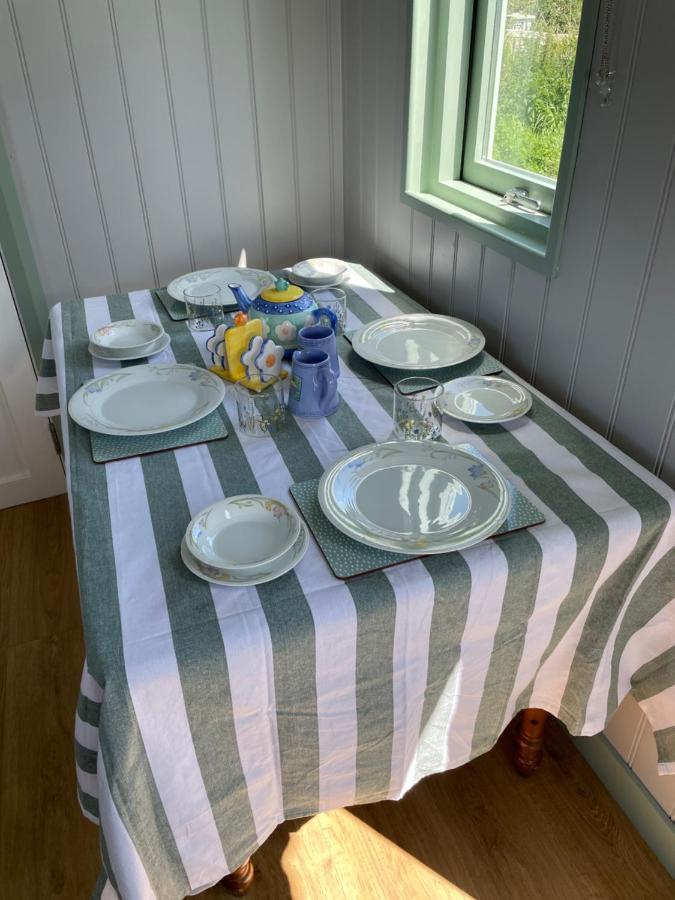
(284, 309)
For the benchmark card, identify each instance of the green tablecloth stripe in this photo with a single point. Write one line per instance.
(523, 556)
(106, 860)
(665, 742)
(120, 741)
(657, 589)
(46, 402)
(88, 710)
(654, 676)
(452, 589)
(47, 368)
(89, 803)
(201, 662)
(376, 611)
(86, 758)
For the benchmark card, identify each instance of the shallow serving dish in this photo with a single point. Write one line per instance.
(319, 271)
(128, 335)
(269, 572)
(486, 399)
(124, 355)
(414, 497)
(418, 341)
(242, 534)
(148, 399)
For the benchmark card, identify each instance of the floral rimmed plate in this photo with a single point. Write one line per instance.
(148, 399)
(414, 497)
(276, 569)
(418, 341)
(253, 281)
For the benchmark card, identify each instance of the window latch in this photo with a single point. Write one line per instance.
(520, 197)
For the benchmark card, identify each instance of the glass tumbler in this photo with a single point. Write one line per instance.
(418, 415)
(204, 306)
(261, 413)
(336, 300)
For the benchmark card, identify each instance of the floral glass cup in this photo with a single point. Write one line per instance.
(204, 306)
(261, 413)
(417, 409)
(336, 300)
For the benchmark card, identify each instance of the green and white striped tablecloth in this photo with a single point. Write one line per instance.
(208, 715)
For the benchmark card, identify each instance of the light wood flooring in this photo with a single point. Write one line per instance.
(478, 831)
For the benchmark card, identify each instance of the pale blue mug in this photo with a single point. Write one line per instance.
(313, 390)
(320, 337)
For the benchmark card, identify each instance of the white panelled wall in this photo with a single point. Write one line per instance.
(150, 137)
(599, 338)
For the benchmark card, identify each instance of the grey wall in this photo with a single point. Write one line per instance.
(151, 137)
(600, 337)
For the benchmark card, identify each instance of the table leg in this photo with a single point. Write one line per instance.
(530, 740)
(240, 880)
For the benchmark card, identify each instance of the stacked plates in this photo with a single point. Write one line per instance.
(418, 341)
(319, 272)
(244, 540)
(128, 339)
(414, 497)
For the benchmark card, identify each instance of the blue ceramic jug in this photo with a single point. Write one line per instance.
(313, 390)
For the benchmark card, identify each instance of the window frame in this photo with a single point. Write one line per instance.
(439, 61)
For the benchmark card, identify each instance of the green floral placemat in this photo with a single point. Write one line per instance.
(349, 558)
(481, 364)
(107, 447)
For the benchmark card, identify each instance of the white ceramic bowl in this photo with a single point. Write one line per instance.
(243, 533)
(127, 335)
(318, 271)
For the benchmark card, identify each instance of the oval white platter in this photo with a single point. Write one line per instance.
(126, 336)
(418, 341)
(253, 281)
(155, 347)
(414, 497)
(486, 399)
(277, 568)
(146, 399)
(240, 533)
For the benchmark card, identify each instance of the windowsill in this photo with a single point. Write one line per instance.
(520, 235)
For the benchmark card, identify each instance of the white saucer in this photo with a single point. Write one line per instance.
(278, 567)
(485, 399)
(156, 347)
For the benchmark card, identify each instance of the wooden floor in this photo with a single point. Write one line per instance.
(478, 831)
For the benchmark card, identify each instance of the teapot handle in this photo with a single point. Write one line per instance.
(324, 311)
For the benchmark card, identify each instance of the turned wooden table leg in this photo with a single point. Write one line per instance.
(240, 880)
(530, 741)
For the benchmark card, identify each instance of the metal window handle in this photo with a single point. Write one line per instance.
(520, 197)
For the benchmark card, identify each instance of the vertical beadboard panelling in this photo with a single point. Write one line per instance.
(643, 177)
(313, 132)
(333, 53)
(40, 40)
(95, 68)
(369, 56)
(271, 86)
(442, 268)
(495, 293)
(468, 276)
(522, 327)
(32, 178)
(351, 61)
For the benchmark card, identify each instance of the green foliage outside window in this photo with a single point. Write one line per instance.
(534, 87)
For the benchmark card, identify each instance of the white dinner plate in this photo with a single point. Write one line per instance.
(126, 336)
(319, 271)
(276, 569)
(120, 355)
(414, 497)
(146, 399)
(479, 398)
(418, 341)
(240, 533)
(253, 281)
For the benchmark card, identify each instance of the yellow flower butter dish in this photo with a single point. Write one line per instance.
(242, 353)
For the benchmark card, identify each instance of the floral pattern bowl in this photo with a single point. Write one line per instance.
(242, 534)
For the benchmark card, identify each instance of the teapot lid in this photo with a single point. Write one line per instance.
(282, 292)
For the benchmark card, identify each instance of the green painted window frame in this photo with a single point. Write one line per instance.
(439, 67)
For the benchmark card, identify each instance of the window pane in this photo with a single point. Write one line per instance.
(534, 45)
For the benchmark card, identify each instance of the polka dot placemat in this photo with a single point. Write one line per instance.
(349, 558)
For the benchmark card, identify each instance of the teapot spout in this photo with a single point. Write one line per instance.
(242, 298)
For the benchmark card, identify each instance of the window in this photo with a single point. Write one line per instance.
(495, 101)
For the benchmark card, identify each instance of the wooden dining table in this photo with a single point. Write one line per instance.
(209, 714)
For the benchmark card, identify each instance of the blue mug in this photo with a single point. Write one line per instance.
(313, 390)
(320, 337)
